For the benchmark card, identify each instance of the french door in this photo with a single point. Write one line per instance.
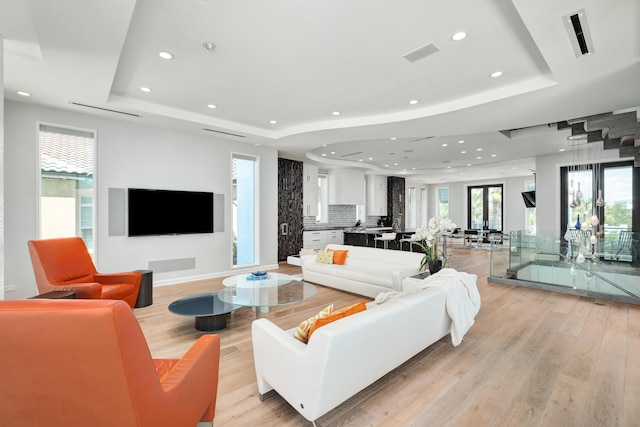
(484, 204)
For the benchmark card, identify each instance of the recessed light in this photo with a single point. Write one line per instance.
(448, 167)
(370, 158)
(359, 160)
(562, 149)
(393, 138)
(395, 164)
(461, 142)
(514, 168)
(324, 154)
(463, 152)
(273, 122)
(23, 93)
(493, 155)
(413, 102)
(445, 144)
(336, 113)
(145, 89)
(208, 46)
(165, 55)
(459, 36)
(496, 74)
(468, 164)
(333, 152)
(478, 149)
(212, 106)
(386, 166)
(479, 157)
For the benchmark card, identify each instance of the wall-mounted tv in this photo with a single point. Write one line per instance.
(167, 212)
(529, 198)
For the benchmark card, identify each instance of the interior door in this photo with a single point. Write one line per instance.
(485, 207)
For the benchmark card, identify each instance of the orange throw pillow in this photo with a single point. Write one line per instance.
(339, 256)
(338, 314)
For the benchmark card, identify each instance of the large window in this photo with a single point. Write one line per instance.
(442, 202)
(530, 213)
(244, 210)
(66, 183)
(604, 190)
(417, 207)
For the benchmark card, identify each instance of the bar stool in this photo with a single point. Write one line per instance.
(384, 238)
(407, 238)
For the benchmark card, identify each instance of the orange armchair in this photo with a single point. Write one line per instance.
(86, 363)
(64, 264)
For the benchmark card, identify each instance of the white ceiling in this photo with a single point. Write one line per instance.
(296, 62)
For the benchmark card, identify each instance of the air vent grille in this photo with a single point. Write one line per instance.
(105, 109)
(422, 52)
(224, 133)
(577, 27)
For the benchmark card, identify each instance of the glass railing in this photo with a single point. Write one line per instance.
(602, 266)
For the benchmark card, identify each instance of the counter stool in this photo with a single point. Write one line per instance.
(407, 238)
(384, 238)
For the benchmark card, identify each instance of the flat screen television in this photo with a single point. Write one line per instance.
(168, 212)
(529, 198)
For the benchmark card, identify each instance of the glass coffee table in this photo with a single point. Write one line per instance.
(275, 290)
(210, 312)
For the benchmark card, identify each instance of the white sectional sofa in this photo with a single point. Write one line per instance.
(366, 271)
(347, 355)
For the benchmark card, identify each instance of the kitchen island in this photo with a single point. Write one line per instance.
(366, 236)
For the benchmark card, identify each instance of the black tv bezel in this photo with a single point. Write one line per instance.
(167, 212)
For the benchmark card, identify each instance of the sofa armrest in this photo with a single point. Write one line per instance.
(133, 278)
(306, 259)
(398, 275)
(279, 359)
(193, 381)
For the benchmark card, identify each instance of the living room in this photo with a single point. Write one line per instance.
(165, 147)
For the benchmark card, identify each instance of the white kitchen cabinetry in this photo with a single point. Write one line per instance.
(310, 190)
(346, 187)
(319, 239)
(376, 195)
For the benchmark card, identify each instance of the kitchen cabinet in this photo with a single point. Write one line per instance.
(318, 239)
(346, 187)
(376, 195)
(310, 190)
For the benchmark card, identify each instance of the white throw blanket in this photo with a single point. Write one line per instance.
(463, 298)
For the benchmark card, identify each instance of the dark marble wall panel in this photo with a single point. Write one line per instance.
(395, 200)
(290, 179)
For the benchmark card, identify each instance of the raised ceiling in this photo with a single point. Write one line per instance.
(278, 72)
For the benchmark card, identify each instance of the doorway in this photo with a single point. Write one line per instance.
(484, 204)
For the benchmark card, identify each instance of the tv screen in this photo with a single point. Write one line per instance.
(529, 198)
(162, 212)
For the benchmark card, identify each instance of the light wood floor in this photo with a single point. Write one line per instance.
(533, 358)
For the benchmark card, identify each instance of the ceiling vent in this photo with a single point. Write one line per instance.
(105, 109)
(352, 154)
(579, 34)
(422, 52)
(224, 133)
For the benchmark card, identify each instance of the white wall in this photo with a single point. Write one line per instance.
(130, 154)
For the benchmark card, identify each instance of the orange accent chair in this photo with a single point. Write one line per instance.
(64, 264)
(75, 363)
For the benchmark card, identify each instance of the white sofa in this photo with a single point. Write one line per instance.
(366, 271)
(347, 355)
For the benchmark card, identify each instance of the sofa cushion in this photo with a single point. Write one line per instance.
(336, 315)
(325, 257)
(339, 256)
(302, 331)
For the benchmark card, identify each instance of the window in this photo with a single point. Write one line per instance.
(612, 184)
(530, 213)
(485, 207)
(66, 183)
(417, 207)
(244, 210)
(323, 198)
(442, 203)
